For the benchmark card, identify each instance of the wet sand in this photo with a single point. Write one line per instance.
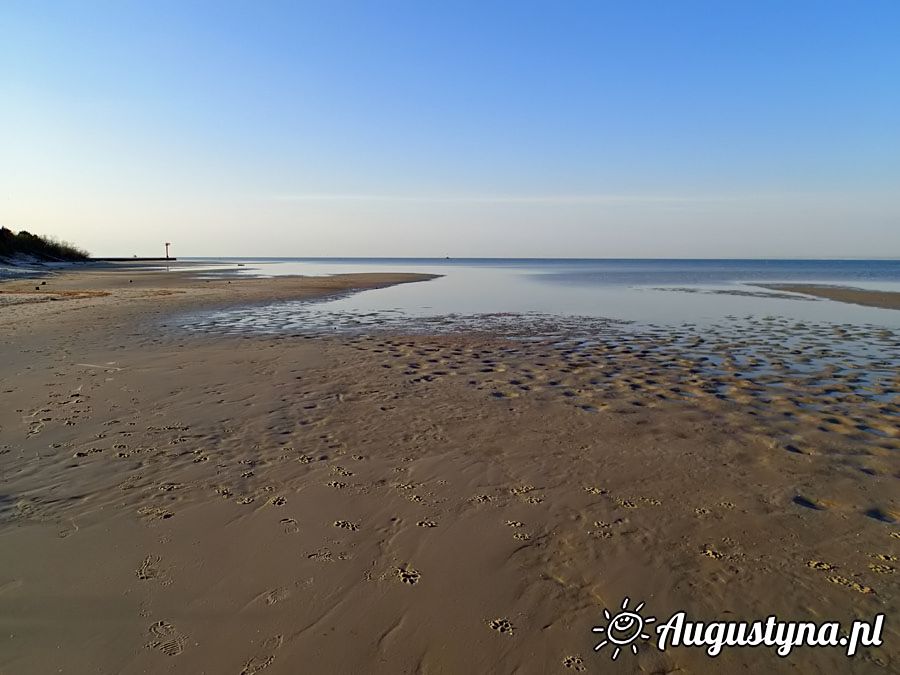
(855, 296)
(185, 502)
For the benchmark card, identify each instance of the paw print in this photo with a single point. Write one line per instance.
(408, 575)
(502, 626)
(574, 663)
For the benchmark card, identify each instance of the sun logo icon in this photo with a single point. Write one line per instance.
(623, 629)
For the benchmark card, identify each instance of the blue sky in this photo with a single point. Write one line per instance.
(685, 129)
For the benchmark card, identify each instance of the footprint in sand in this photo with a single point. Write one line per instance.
(710, 552)
(265, 658)
(346, 525)
(849, 583)
(276, 595)
(574, 663)
(67, 531)
(153, 513)
(819, 565)
(324, 554)
(408, 575)
(426, 523)
(290, 525)
(503, 626)
(165, 638)
(149, 568)
(881, 569)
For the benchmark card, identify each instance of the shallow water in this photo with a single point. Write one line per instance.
(644, 291)
(784, 344)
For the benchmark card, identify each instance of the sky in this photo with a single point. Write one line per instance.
(463, 129)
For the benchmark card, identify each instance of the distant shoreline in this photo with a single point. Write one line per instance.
(135, 259)
(530, 259)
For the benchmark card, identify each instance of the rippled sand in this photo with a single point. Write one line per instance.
(460, 500)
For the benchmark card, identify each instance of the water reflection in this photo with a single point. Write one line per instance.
(640, 291)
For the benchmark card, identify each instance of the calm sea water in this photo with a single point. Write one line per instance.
(645, 291)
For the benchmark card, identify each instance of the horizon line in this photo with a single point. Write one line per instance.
(384, 257)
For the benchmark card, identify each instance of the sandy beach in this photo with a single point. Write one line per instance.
(856, 296)
(177, 502)
(449, 338)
